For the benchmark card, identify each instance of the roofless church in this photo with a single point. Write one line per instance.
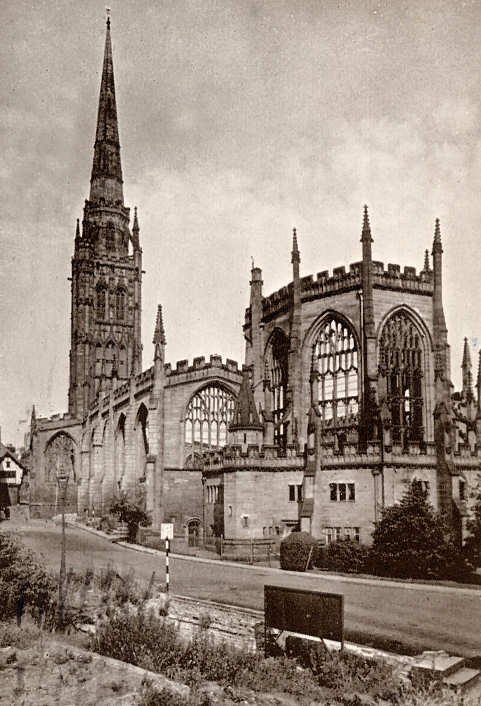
(344, 398)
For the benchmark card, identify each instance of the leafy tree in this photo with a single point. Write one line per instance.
(472, 546)
(130, 513)
(23, 578)
(296, 550)
(412, 541)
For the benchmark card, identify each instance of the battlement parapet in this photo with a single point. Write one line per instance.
(199, 364)
(325, 284)
(236, 456)
(56, 420)
(416, 454)
(144, 377)
(121, 390)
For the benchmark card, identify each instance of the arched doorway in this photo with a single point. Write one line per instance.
(193, 532)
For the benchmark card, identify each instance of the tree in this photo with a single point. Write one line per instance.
(472, 545)
(130, 513)
(413, 541)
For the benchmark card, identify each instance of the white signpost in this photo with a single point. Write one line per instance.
(167, 533)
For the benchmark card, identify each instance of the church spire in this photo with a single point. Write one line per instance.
(467, 374)
(106, 180)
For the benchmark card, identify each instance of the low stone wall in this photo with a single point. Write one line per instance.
(240, 627)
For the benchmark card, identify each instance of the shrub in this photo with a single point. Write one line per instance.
(296, 549)
(130, 513)
(412, 541)
(472, 546)
(344, 555)
(22, 577)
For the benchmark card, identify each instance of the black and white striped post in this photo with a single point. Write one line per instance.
(167, 577)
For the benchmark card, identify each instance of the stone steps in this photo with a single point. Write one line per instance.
(450, 670)
(462, 679)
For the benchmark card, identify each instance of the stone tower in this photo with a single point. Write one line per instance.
(106, 268)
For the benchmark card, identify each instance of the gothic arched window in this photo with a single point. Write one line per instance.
(277, 361)
(98, 360)
(60, 457)
(109, 358)
(120, 304)
(401, 364)
(122, 362)
(208, 416)
(110, 237)
(336, 361)
(101, 302)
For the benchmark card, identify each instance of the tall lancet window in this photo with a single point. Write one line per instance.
(120, 304)
(401, 364)
(336, 360)
(277, 365)
(101, 302)
(110, 237)
(208, 416)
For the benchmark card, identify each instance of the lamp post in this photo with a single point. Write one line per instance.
(62, 480)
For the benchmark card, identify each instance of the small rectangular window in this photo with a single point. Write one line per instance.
(245, 521)
(462, 490)
(299, 493)
(342, 492)
(292, 493)
(333, 490)
(351, 491)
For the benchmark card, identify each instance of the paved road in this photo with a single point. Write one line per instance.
(418, 616)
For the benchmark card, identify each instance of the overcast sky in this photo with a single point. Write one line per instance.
(238, 120)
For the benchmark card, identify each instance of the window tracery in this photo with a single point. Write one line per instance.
(60, 457)
(120, 304)
(101, 302)
(336, 361)
(277, 368)
(110, 237)
(208, 416)
(401, 364)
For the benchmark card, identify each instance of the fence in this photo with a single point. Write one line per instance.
(246, 550)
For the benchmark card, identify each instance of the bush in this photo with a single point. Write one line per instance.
(296, 549)
(130, 513)
(412, 541)
(472, 546)
(343, 555)
(22, 577)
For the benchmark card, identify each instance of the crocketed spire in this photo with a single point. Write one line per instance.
(366, 227)
(467, 374)
(159, 332)
(296, 256)
(106, 179)
(437, 245)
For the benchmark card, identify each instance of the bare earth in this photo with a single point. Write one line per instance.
(424, 617)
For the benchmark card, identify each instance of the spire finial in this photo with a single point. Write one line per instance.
(135, 225)
(437, 245)
(106, 180)
(159, 332)
(366, 226)
(466, 354)
(107, 12)
(77, 229)
(426, 261)
(296, 256)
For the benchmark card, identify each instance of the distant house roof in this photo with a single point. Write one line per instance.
(5, 452)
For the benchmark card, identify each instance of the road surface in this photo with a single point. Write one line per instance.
(416, 616)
